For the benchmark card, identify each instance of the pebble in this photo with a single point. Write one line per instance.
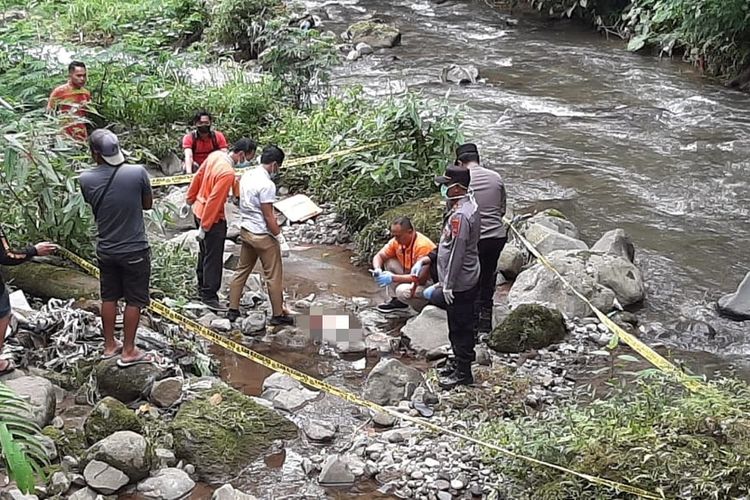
(431, 462)
(444, 495)
(417, 474)
(442, 484)
(457, 484)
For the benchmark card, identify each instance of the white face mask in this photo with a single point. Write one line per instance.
(444, 191)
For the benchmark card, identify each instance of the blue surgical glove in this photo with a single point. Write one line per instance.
(385, 278)
(427, 292)
(416, 268)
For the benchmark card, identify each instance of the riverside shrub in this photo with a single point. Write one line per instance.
(651, 434)
(713, 34)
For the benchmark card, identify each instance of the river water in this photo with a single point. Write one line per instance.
(613, 139)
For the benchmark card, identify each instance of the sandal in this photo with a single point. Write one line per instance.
(117, 352)
(146, 358)
(9, 367)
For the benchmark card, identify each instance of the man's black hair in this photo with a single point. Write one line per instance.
(272, 154)
(75, 64)
(404, 222)
(244, 145)
(199, 114)
(469, 157)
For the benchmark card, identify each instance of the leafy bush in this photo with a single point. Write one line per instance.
(41, 200)
(652, 435)
(416, 139)
(298, 59)
(713, 34)
(173, 270)
(240, 24)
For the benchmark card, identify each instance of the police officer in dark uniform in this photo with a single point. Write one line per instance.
(458, 272)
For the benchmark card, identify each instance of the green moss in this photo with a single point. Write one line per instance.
(529, 326)
(221, 431)
(553, 212)
(426, 214)
(70, 442)
(110, 416)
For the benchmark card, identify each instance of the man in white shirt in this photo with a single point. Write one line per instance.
(261, 236)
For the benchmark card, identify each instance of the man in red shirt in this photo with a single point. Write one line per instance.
(200, 143)
(71, 99)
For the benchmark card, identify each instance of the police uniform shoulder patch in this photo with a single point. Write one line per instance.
(455, 226)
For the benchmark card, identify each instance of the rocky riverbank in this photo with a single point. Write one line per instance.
(180, 426)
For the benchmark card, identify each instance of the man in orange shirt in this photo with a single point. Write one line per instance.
(207, 194)
(403, 275)
(71, 99)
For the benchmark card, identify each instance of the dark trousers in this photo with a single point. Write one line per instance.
(210, 260)
(489, 252)
(460, 321)
(461, 325)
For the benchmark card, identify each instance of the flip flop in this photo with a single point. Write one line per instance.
(146, 358)
(423, 409)
(8, 368)
(117, 352)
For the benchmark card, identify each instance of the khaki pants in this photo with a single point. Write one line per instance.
(265, 247)
(402, 291)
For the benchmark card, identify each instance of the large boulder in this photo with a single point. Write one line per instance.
(619, 275)
(47, 281)
(110, 416)
(374, 33)
(125, 451)
(126, 384)
(554, 220)
(737, 305)
(227, 492)
(167, 484)
(461, 74)
(616, 242)
(391, 381)
(530, 326)
(427, 331)
(187, 241)
(335, 471)
(538, 285)
(548, 240)
(39, 394)
(166, 392)
(511, 261)
(221, 431)
(104, 478)
(170, 164)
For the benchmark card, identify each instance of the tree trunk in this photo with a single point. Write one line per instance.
(48, 281)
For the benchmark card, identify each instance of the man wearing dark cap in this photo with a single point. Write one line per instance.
(458, 271)
(489, 192)
(118, 195)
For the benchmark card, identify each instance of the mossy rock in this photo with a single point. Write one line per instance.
(529, 326)
(70, 442)
(109, 416)
(221, 431)
(47, 281)
(374, 33)
(125, 384)
(426, 215)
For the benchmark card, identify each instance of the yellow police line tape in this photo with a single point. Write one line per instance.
(193, 326)
(187, 178)
(633, 342)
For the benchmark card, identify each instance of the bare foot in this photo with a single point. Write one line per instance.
(109, 353)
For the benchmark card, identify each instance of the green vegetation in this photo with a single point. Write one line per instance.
(650, 434)
(149, 97)
(425, 213)
(712, 34)
(21, 452)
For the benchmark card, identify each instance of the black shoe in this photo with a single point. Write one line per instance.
(448, 368)
(393, 305)
(284, 320)
(233, 314)
(461, 376)
(215, 305)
